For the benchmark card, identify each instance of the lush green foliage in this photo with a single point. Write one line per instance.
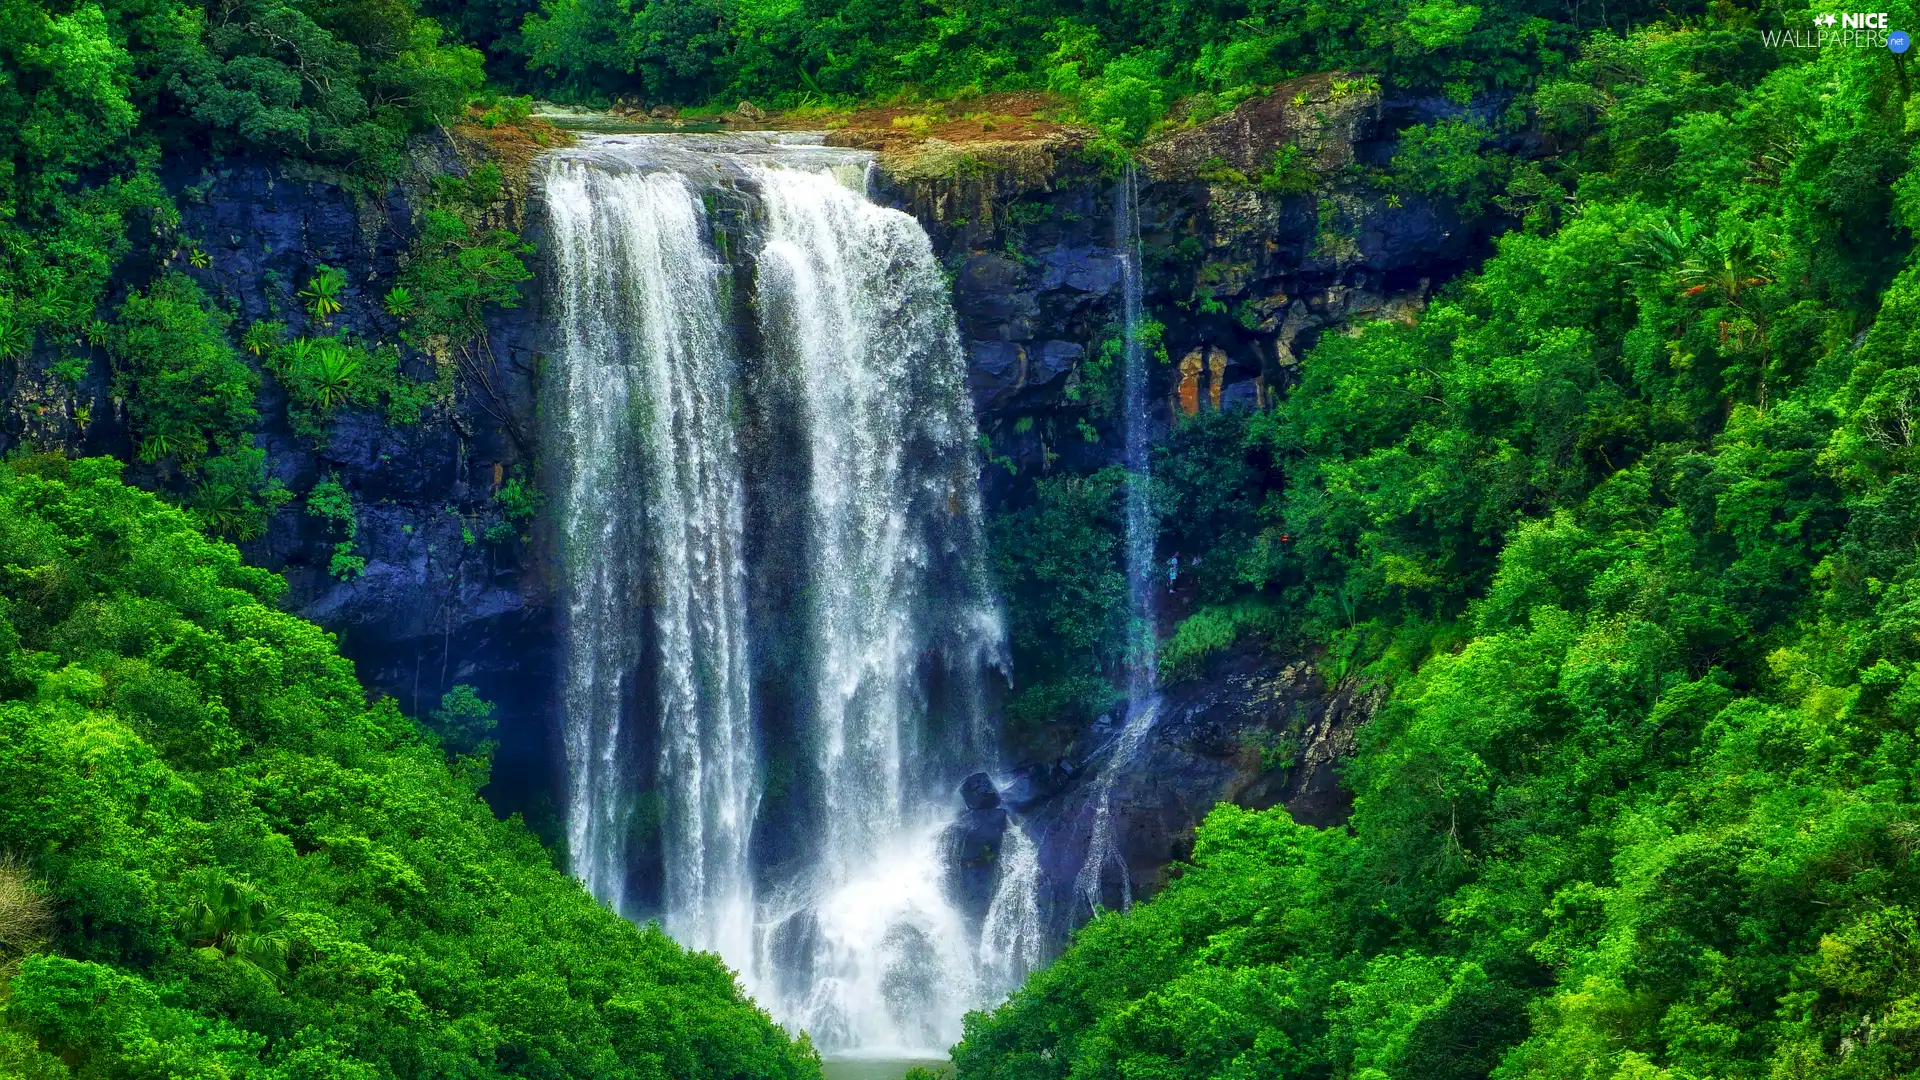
(321, 374)
(455, 271)
(93, 92)
(1059, 568)
(516, 502)
(258, 873)
(1625, 528)
(1123, 65)
(462, 721)
(330, 502)
(188, 392)
(190, 403)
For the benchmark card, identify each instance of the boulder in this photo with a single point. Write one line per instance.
(973, 845)
(978, 792)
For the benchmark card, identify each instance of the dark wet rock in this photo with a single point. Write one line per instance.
(1250, 730)
(1035, 782)
(973, 855)
(995, 370)
(1003, 374)
(978, 793)
(973, 845)
(1081, 268)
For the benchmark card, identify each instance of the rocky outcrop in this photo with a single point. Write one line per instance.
(973, 844)
(1248, 730)
(1250, 254)
(438, 602)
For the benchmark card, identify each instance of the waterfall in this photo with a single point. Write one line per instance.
(857, 572)
(851, 293)
(652, 534)
(1143, 696)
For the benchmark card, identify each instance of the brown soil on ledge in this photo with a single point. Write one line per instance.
(516, 143)
(990, 118)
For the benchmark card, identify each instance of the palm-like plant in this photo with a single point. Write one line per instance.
(298, 354)
(400, 301)
(226, 510)
(188, 445)
(331, 372)
(1700, 261)
(1660, 247)
(1724, 269)
(322, 293)
(229, 922)
(263, 337)
(16, 336)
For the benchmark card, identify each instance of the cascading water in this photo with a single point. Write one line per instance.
(851, 382)
(653, 536)
(851, 293)
(1010, 937)
(1143, 697)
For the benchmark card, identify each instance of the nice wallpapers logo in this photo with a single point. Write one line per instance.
(1847, 29)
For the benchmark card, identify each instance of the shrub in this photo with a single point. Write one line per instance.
(188, 394)
(26, 918)
(330, 502)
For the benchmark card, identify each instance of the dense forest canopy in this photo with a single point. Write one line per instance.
(253, 872)
(1127, 62)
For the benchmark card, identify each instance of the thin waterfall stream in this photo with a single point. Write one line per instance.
(1143, 668)
(778, 621)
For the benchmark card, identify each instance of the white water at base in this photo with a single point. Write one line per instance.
(1143, 671)
(860, 945)
(891, 965)
(1010, 935)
